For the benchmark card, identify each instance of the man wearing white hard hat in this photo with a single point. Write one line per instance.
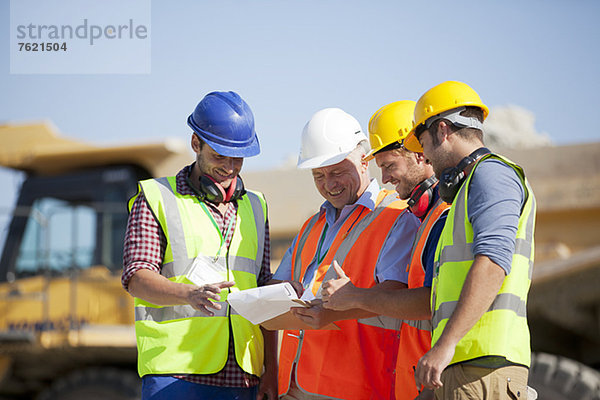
(367, 231)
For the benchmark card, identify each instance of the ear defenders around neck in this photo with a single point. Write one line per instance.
(212, 191)
(452, 178)
(421, 197)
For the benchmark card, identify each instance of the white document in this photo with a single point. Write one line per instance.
(263, 303)
(203, 272)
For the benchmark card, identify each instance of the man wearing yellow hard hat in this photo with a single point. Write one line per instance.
(415, 182)
(480, 338)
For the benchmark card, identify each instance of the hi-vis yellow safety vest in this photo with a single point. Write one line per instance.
(502, 330)
(179, 339)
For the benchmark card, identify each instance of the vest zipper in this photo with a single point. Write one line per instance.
(296, 336)
(300, 338)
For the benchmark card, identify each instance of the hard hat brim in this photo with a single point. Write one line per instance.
(247, 151)
(323, 161)
(411, 143)
(393, 145)
(370, 155)
(242, 150)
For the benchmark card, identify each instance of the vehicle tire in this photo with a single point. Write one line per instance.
(559, 378)
(95, 384)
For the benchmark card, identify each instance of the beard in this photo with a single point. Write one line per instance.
(411, 179)
(440, 160)
(404, 190)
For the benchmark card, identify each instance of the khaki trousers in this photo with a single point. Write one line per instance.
(463, 381)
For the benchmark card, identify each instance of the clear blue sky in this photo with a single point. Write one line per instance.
(289, 59)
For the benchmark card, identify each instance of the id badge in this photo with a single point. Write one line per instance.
(204, 272)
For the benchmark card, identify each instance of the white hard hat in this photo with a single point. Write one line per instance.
(328, 138)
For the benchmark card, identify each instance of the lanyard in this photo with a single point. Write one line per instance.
(212, 219)
(320, 257)
(321, 240)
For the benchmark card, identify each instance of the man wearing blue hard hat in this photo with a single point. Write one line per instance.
(191, 239)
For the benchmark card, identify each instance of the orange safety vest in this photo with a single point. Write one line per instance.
(357, 361)
(415, 336)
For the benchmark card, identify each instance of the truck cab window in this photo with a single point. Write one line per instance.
(58, 236)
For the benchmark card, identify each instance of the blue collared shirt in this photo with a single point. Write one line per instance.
(496, 196)
(395, 252)
(432, 241)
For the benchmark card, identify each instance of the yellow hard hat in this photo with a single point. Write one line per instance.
(444, 97)
(391, 123)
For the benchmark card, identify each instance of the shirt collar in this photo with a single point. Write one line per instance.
(183, 187)
(367, 199)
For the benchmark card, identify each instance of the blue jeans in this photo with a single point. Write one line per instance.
(157, 387)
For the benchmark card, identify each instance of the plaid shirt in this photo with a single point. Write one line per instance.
(145, 245)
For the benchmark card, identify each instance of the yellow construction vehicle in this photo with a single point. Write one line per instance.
(66, 324)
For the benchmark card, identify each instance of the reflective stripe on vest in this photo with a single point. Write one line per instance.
(416, 254)
(415, 336)
(312, 230)
(357, 361)
(416, 275)
(302, 238)
(180, 339)
(502, 330)
(379, 321)
(327, 272)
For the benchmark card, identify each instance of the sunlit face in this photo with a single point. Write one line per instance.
(399, 168)
(437, 157)
(341, 184)
(221, 168)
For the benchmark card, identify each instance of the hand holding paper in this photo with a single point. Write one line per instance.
(204, 297)
(263, 303)
(315, 316)
(340, 293)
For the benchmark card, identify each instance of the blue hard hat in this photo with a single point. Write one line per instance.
(226, 123)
